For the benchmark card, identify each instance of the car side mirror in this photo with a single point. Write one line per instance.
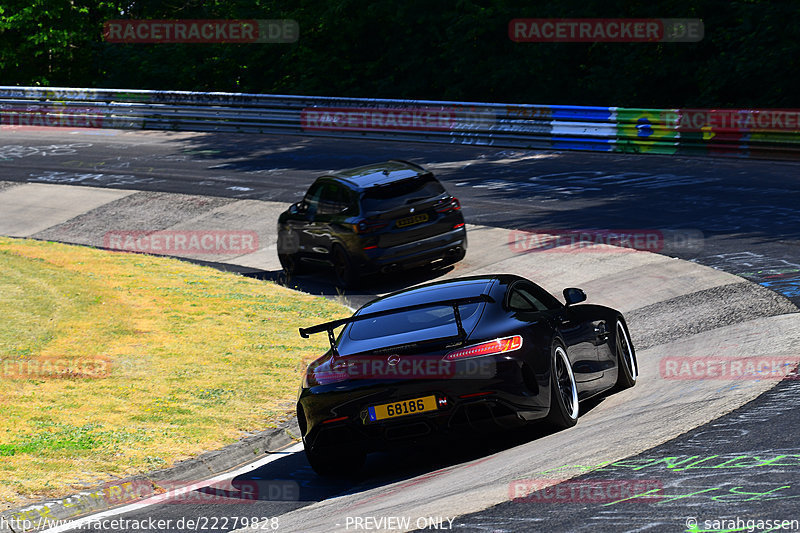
(574, 295)
(299, 208)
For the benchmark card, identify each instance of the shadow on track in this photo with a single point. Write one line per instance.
(321, 282)
(380, 468)
(293, 475)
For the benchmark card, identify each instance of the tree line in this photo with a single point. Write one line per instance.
(419, 49)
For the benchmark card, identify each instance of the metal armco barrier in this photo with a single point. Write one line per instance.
(766, 133)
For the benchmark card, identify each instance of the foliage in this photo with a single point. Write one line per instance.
(422, 49)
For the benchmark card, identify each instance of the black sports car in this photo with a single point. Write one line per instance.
(376, 218)
(475, 353)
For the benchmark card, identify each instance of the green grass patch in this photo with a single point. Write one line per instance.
(113, 364)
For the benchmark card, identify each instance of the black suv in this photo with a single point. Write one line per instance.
(375, 218)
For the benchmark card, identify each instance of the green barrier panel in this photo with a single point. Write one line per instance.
(646, 131)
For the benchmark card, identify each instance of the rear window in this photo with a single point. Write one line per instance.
(398, 194)
(417, 320)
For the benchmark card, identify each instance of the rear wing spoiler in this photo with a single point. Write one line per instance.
(455, 303)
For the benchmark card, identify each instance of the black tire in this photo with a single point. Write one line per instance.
(627, 366)
(343, 270)
(564, 406)
(291, 264)
(335, 463)
(288, 248)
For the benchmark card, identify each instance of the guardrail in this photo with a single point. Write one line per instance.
(768, 133)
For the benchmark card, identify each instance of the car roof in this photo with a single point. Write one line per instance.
(378, 174)
(438, 290)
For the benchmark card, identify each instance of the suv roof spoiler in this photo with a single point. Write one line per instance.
(409, 163)
(454, 303)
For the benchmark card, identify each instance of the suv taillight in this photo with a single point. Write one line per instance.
(369, 226)
(452, 205)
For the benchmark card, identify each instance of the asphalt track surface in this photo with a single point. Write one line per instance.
(745, 210)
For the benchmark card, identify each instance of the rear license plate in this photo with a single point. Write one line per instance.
(402, 408)
(410, 221)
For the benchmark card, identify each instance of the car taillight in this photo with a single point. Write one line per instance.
(312, 379)
(324, 375)
(506, 344)
(474, 395)
(369, 226)
(452, 205)
(332, 420)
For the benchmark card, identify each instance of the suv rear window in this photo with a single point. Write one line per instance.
(400, 193)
